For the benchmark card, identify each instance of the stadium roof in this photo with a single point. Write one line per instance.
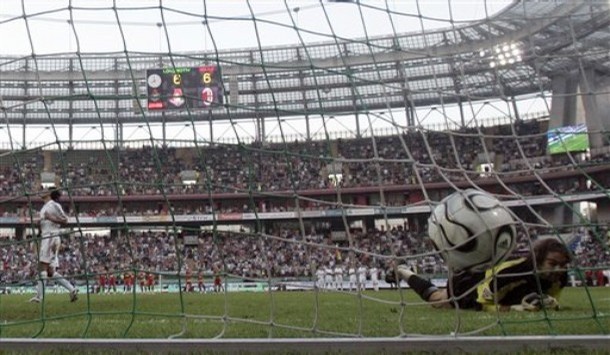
(515, 52)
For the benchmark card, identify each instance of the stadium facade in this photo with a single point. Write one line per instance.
(508, 57)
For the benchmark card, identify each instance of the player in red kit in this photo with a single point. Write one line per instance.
(111, 283)
(188, 287)
(142, 280)
(101, 283)
(200, 283)
(150, 282)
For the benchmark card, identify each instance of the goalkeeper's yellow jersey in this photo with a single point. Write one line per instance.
(507, 283)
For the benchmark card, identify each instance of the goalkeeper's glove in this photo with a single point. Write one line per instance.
(550, 302)
(533, 302)
(404, 272)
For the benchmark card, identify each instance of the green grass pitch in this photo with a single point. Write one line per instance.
(296, 314)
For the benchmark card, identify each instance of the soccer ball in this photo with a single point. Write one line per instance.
(472, 230)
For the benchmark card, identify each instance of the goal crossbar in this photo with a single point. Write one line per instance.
(361, 345)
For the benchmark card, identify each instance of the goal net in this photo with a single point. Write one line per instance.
(251, 174)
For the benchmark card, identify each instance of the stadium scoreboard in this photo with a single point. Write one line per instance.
(179, 88)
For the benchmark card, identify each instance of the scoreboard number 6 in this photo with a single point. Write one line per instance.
(177, 79)
(206, 78)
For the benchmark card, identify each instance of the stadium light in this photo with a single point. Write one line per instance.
(501, 55)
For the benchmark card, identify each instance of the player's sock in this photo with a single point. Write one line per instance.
(40, 285)
(59, 279)
(422, 287)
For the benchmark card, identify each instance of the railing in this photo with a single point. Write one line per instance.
(334, 135)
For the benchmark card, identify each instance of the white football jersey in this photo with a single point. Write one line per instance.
(52, 208)
(374, 272)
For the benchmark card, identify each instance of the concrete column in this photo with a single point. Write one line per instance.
(595, 88)
(603, 211)
(563, 102)
(558, 214)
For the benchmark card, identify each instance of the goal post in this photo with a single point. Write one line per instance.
(317, 346)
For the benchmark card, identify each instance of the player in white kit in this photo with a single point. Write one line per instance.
(353, 280)
(361, 277)
(338, 277)
(374, 273)
(52, 217)
(329, 277)
(320, 278)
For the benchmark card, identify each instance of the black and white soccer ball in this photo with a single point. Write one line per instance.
(472, 230)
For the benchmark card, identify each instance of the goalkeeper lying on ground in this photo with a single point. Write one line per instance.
(524, 284)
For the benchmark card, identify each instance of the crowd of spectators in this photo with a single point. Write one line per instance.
(415, 157)
(284, 254)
